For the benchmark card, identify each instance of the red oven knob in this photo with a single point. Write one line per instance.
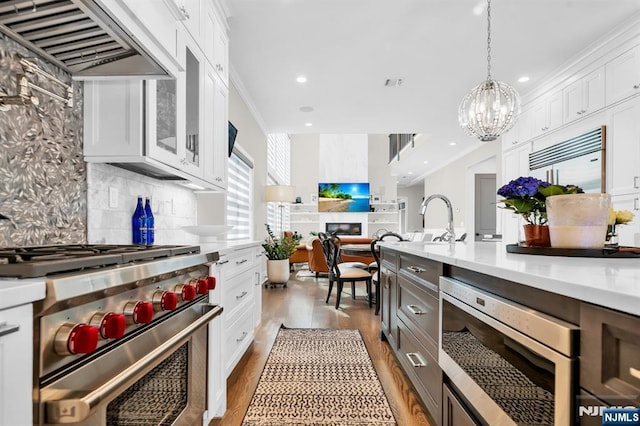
(186, 291)
(202, 287)
(76, 339)
(165, 300)
(139, 312)
(111, 325)
(211, 282)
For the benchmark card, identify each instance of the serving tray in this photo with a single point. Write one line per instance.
(607, 251)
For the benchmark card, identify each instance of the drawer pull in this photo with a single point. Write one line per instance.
(413, 356)
(259, 255)
(415, 310)
(634, 372)
(222, 262)
(244, 334)
(241, 261)
(243, 294)
(8, 328)
(635, 182)
(416, 269)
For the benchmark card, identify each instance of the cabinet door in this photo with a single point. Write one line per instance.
(193, 12)
(525, 128)
(515, 163)
(623, 148)
(593, 91)
(453, 412)
(628, 234)
(572, 101)
(539, 118)
(162, 121)
(16, 359)
(221, 52)
(191, 108)
(158, 20)
(554, 111)
(623, 76)
(216, 130)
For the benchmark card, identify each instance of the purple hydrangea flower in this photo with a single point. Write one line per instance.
(521, 187)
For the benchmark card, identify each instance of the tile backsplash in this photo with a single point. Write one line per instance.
(112, 197)
(42, 172)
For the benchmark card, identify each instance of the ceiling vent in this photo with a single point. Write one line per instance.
(393, 82)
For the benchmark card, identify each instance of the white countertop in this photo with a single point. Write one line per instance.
(226, 246)
(16, 292)
(612, 283)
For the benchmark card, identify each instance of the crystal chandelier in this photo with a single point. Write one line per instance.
(492, 107)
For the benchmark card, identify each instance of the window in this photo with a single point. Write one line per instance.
(239, 196)
(278, 173)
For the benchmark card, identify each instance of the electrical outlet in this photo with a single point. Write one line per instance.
(113, 197)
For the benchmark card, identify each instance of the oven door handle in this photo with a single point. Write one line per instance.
(74, 410)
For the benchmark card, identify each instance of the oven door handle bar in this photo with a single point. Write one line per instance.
(58, 411)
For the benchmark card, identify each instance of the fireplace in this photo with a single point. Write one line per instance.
(342, 228)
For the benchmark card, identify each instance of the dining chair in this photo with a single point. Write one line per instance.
(376, 275)
(340, 275)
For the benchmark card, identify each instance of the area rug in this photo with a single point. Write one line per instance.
(319, 377)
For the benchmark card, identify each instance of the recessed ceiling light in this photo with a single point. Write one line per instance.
(409, 173)
(523, 79)
(308, 124)
(306, 108)
(301, 79)
(479, 8)
(452, 144)
(425, 162)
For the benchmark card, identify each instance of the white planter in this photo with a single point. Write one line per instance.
(278, 271)
(578, 220)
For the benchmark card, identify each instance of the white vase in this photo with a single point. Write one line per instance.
(278, 271)
(578, 220)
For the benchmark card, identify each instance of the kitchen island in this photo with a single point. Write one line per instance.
(479, 331)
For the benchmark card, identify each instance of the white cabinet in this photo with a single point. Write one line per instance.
(216, 131)
(623, 148)
(520, 132)
(239, 292)
(546, 114)
(162, 128)
(623, 76)
(260, 277)
(628, 234)
(192, 11)
(584, 96)
(216, 44)
(16, 365)
(515, 163)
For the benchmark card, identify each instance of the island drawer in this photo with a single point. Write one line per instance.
(610, 355)
(423, 271)
(418, 308)
(421, 368)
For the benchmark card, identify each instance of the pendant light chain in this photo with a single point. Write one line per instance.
(488, 39)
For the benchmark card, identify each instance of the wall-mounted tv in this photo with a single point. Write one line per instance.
(343, 197)
(233, 132)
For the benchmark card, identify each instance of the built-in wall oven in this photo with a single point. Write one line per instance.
(509, 363)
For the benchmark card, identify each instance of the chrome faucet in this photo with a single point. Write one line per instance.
(449, 235)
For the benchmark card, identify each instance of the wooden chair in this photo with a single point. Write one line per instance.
(375, 276)
(340, 275)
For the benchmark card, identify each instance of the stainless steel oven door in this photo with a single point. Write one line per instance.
(156, 377)
(512, 364)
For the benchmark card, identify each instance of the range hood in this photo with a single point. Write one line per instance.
(78, 36)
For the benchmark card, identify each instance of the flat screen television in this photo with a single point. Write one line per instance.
(343, 197)
(233, 132)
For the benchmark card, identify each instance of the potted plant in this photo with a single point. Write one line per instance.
(278, 251)
(526, 196)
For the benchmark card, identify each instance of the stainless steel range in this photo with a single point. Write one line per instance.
(120, 338)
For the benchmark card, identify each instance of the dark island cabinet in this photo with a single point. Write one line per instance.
(409, 321)
(453, 411)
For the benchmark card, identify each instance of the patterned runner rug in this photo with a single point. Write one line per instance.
(319, 377)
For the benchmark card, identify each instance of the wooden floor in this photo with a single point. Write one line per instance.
(302, 304)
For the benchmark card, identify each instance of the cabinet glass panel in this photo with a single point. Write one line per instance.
(192, 93)
(166, 133)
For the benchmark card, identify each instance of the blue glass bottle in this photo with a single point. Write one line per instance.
(139, 224)
(150, 222)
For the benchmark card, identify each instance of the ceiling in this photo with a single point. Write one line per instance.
(347, 49)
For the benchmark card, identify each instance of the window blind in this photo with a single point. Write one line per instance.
(239, 197)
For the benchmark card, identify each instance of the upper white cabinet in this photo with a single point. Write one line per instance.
(217, 132)
(623, 148)
(584, 96)
(216, 44)
(520, 132)
(546, 114)
(623, 76)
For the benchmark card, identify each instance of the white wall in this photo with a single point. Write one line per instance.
(414, 196)
(451, 182)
